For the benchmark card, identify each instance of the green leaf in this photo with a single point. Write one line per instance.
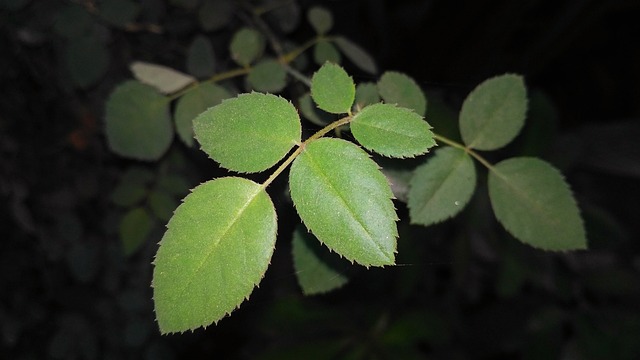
(73, 21)
(397, 88)
(442, 187)
(494, 112)
(216, 14)
(138, 124)
(345, 200)
(176, 185)
(134, 229)
(162, 205)
(312, 113)
(164, 79)
(246, 46)
(118, 13)
(534, 203)
(200, 57)
(392, 131)
(324, 51)
(127, 194)
(320, 19)
(366, 94)
(333, 89)
(249, 133)
(317, 270)
(217, 247)
(192, 104)
(268, 75)
(358, 56)
(86, 59)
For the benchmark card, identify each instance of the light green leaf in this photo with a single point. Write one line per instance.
(534, 203)
(134, 229)
(312, 113)
(320, 19)
(345, 200)
(118, 12)
(324, 51)
(246, 46)
(366, 94)
(192, 104)
(358, 56)
(333, 89)
(86, 59)
(200, 57)
(268, 75)
(216, 14)
(494, 112)
(317, 270)
(392, 131)
(442, 187)
(397, 88)
(162, 205)
(164, 79)
(138, 124)
(217, 247)
(249, 133)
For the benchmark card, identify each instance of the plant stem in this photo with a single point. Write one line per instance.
(474, 154)
(320, 133)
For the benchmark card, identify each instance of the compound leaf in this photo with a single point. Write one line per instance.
(320, 19)
(397, 88)
(268, 75)
(246, 46)
(534, 203)
(248, 133)
(333, 89)
(192, 104)
(200, 57)
(442, 187)
(392, 131)
(356, 54)
(163, 78)
(493, 114)
(318, 271)
(138, 124)
(344, 199)
(217, 247)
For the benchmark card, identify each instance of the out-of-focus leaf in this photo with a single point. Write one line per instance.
(357, 55)
(268, 75)
(162, 205)
(86, 59)
(134, 229)
(320, 19)
(398, 88)
(366, 94)
(216, 14)
(246, 46)
(310, 112)
(192, 104)
(164, 79)
(73, 21)
(200, 57)
(118, 12)
(324, 51)
(127, 194)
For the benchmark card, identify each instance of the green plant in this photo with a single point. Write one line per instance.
(219, 241)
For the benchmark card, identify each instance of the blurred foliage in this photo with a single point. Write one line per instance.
(461, 289)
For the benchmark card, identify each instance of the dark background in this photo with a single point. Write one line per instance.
(463, 289)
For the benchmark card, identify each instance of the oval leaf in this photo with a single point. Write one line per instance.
(134, 229)
(268, 75)
(192, 104)
(442, 187)
(494, 112)
(357, 55)
(345, 200)
(366, 94)
(246, 46)
(534, 203)
(200, 57)
(312, 113)
(320, 19)
(163, 78)
(397, 88)
(138, 124)
(324, 51)
(317, 270)
(249, 133)
(392, 131)
(217, 247)
(333, 89)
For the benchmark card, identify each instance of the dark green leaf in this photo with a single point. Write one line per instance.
(216, 250)
(324, 51)
(333, 89)
(138, 124)
(534, 203)
(118, 12)
(345, 200)
(442, 187)
(162, 205)
(397, 88)
(249, 133)
(312, 113)
(86, 59)
(216, 14)
(200, 57)
(127, 194)
(494, 112)
(192, 104)
(357, 55)
(134, 229)
(392, 131)
(366, 94)
(268, 75)
(246, 46)
(320, 19)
